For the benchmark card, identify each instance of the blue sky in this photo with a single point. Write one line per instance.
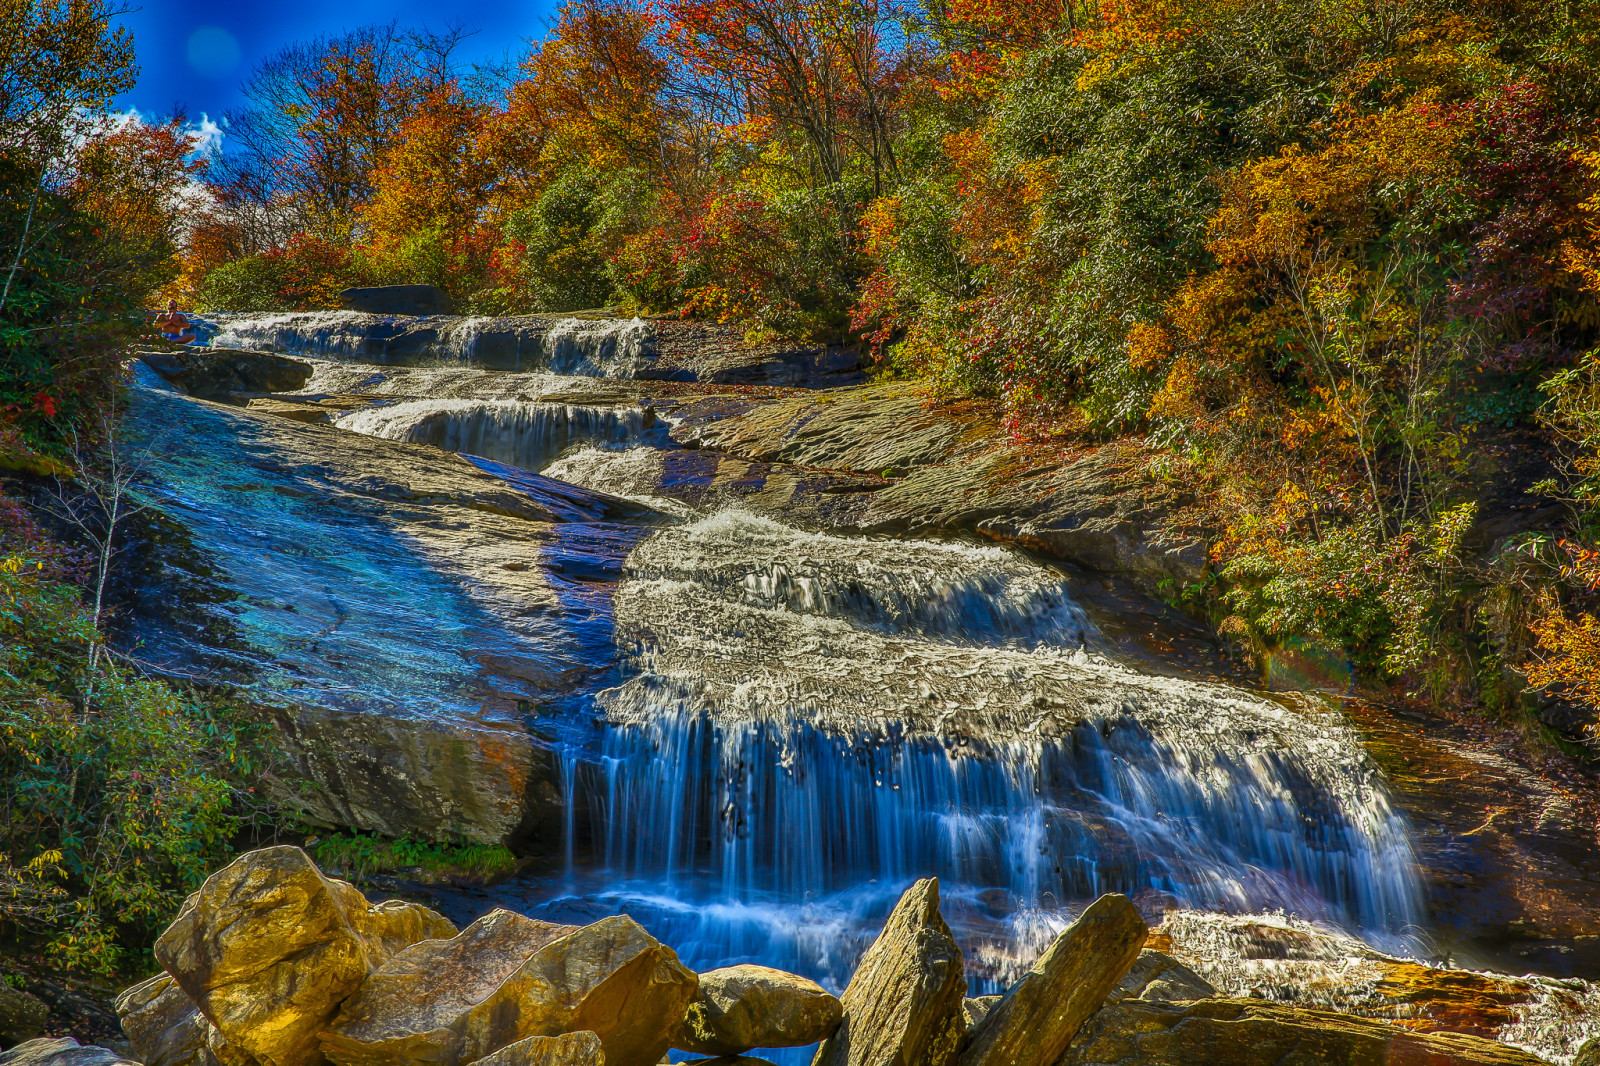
(196, 54)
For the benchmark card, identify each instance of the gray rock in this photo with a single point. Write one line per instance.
(744, 1007)
(396, 300)
(21, 1015)
(229, 374)
(904, 1002)
(1038, 1017)
(61, 1051)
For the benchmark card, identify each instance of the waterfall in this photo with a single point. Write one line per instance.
(811, 721)
(610, 348)
(528, 435)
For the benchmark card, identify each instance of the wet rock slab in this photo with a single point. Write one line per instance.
(401, 614)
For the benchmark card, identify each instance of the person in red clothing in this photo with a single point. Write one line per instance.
(174, 326)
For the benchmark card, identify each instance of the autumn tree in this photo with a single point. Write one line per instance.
(320, 117)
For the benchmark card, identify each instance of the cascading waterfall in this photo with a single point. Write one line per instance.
(811, 721)
(609, 348)
(528, 435)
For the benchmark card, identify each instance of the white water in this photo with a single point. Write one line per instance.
(529, 435)
(610, 348)
(812, 721)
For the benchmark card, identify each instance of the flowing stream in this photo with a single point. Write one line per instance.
(799, 724)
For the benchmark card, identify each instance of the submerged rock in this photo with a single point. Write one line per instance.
(744, 1007)
(506, 978)
(1036, 1020)
(1233, 1032)
(569, 1049)
(268, 948)
(60, 1051)
(904, 1004)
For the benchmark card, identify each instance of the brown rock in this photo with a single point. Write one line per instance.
(1038, 1017)
(506, 978)
(744, 1007)
(163, 1026)
(1236, 1032)
(60, 1051)
(1588, 1054)
(268, 948)
(21, 1015)
(975, 1010)
(903, 1006)
(1285, 961)
(569, 1049)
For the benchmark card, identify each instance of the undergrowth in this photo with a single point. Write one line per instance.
(362, 855)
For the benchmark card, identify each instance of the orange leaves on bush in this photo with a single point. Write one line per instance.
(1569, 659)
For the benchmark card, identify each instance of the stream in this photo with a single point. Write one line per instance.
(784, 727)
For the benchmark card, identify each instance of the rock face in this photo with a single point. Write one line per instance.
(904, 1004)
(744, 1007)
(1234, 1032)
(953, 473)
(396, 300)
(163, 1025)
(1041, 1013)
(506, 978)
(268, 948)
(61, 1051)
(21, 1015)
(569, 1049)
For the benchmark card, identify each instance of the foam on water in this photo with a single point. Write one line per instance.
(528, 435)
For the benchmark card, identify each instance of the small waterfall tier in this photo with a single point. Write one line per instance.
(528, 435)
(808, 722)
(611, 348)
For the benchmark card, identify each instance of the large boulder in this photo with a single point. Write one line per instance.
(396, 300)
(904, 1004)
(1041, 1013)
(569, 1049)
(506, 978)
(744, 1007)
(268, 948)
(21, 1015)
(229, 375)
(1239, 1032)
(60, 1051)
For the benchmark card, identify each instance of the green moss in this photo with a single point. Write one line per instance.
(362, 855)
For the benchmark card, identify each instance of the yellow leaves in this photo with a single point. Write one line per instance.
(1149, 346)
(1570, 659)
(1581, 255)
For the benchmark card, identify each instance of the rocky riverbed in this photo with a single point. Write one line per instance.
(273, 962)
(740, 662)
